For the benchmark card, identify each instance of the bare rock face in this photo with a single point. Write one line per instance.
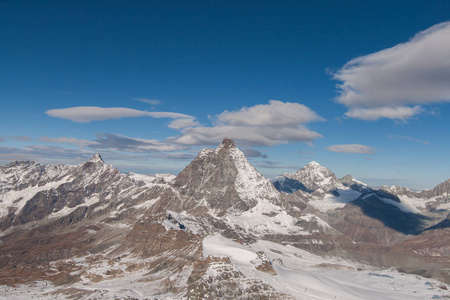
(222, 179)
(217, 278)
(149, 237)
(441, 190)
(263, 263)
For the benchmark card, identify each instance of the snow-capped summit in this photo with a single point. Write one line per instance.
(312, 178)
(223, 178)
(97, 158)
(313, 164)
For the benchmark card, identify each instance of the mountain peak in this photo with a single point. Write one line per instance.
(223, 179)
(313, 164)
(97, 158)
(227, 143)
(313, 178)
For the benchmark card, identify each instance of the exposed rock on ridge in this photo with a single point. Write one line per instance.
(221, 179)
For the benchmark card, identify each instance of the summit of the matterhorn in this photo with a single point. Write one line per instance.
(221, 179)
(97, 158)
(226, 144)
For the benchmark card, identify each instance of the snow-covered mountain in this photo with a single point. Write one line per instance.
(222, 179)
(312, 178)
(219, 229)
(354, 184)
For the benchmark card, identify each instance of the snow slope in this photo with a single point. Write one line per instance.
(300, 274)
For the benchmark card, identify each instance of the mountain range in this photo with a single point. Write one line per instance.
(217, 230)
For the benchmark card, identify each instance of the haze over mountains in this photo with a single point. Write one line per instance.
(219, 229)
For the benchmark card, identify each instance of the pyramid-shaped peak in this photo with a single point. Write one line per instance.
(315, 168)
(313, 164)
(97, 158)
(347, 177)
(223, 178)
(227, 143)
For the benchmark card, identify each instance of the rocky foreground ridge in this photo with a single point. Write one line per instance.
(219, 229)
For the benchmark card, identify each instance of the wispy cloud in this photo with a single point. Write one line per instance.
(401, 113)
(305, 152)
(401, 137)
(149, 101)
(130, 144)
(44, 154)
(118, 142)
(55, 154)
(16, 138)
(21, 138)
(261, 125)
(83, 114)
(352, 148)
(183, 123)
(394, 82)
(273, 165)
(69, 140)
(177, 156)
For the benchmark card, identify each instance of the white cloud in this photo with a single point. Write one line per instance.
(395, 113)
(392, 83)
(276, 114)
(247, 135)
(85, 114)
(351, 148)
(182, 123)
(149, 101)
(261, 125)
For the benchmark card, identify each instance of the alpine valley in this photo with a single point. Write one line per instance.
(217, 230)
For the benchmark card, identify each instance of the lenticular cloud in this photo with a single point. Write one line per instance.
(394, 82)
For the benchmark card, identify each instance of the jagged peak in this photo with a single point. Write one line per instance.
(97, 158)
(347, 177)
(314, 167)
(227, 143)
(314, 164)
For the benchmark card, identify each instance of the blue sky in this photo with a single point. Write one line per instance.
(362, 87)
